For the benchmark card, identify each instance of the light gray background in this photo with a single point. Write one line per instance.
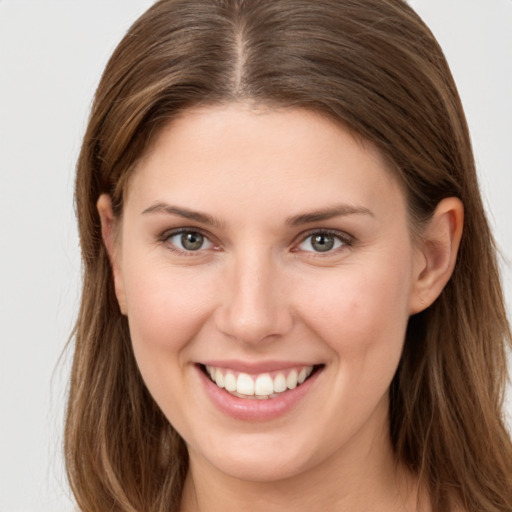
(52, 53)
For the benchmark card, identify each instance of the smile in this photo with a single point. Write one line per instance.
(261, 386)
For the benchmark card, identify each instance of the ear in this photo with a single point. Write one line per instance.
(108, 233)
(437, 253)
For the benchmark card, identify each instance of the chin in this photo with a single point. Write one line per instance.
(259, 460)
(255, 468)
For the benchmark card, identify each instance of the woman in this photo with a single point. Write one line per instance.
(291, 298)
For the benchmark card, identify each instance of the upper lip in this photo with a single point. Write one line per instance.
(256, 367)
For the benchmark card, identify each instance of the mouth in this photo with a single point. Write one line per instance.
(261, 386)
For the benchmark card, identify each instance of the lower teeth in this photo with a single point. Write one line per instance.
(255, 397)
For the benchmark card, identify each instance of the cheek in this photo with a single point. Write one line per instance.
(166, 310)
(166, 307)
(362, 313)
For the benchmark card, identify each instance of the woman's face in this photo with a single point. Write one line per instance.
(265, 247)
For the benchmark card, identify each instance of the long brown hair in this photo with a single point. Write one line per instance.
(375, 67)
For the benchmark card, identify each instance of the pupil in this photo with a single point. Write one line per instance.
(192, 241)
(322, 243)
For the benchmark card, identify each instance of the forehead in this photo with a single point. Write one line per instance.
(250, 157)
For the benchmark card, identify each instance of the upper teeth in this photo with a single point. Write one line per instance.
(262, 385)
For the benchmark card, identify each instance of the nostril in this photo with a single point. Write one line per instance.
(252, 314)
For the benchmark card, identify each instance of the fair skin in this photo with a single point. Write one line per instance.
(262, 242)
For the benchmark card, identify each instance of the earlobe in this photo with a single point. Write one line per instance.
(108, 233)
(437, 249)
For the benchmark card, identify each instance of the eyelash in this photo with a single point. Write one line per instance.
(345, 239)
(165, 238)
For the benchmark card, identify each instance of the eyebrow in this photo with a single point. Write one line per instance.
(327, 213)
(203, 218)
(296, 220)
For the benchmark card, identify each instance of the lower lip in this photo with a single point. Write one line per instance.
(248, 409)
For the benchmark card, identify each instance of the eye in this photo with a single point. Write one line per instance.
(188, 241)
(323, 241)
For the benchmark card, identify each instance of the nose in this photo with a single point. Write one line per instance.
(254, 308)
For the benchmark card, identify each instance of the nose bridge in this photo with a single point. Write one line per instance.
(254, 308)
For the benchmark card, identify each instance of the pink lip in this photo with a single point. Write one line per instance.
(253, 409)
(256, 368)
